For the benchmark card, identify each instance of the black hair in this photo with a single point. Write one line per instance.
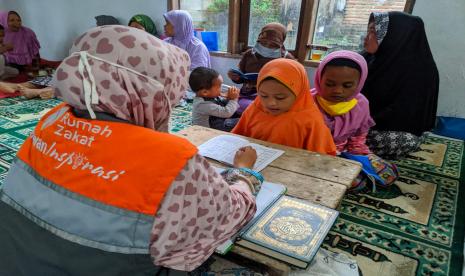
(102, 20)
(339, 62)
(202, 78)
(15, 13)
(1, 27)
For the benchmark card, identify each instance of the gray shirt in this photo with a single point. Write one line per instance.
(202, 110)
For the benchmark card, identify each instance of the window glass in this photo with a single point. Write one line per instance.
(286, 12)
(342, 24)
(211, 16)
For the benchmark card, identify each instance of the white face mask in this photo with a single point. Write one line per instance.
(267, 52)
(90, 90)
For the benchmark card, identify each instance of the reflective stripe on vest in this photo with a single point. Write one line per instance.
(78, 219)
(93, 182)
(123, 165)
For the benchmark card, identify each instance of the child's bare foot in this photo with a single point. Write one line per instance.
(9, 87)
(27, 85)
(47, 94)
(29, 93)
(43, 93)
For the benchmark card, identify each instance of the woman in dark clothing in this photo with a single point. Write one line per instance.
(269, 46)
(402, 84)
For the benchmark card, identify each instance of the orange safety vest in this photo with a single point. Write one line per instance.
(117, 164)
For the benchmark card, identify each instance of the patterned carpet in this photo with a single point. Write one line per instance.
(18, 118)
(415, 227)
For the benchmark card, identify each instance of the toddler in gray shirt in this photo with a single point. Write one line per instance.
(210, 108)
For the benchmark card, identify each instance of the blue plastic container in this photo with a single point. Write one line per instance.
(450, 127)
(210, 39)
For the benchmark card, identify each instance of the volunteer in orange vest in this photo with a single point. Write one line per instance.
(101, 188)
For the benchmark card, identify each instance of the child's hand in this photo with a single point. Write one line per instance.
(245, 157)
(233, 93)
(234, 77)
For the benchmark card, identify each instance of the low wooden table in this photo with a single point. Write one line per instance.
(321, 179)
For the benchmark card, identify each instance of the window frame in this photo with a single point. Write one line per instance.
(238, 28)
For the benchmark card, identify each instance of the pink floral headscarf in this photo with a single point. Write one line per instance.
(127, 73)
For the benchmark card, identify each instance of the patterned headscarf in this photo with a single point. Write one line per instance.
(274, 33)
(125, 72)
(381, 25)
(146, 22)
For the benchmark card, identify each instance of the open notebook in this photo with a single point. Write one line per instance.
(223, 148)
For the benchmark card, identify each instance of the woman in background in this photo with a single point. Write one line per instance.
(24, 41)
(143, 22)
(269, 46)
(180, 31)
(402, 84)
(5, 71)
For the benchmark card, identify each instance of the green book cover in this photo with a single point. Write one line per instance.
(292, 231)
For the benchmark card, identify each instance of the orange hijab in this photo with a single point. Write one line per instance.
(301, 127)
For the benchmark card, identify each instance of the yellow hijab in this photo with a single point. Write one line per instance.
(336, 109)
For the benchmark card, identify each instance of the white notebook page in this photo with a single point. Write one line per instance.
(223, 148)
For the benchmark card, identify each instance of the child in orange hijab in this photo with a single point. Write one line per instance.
(284, 111)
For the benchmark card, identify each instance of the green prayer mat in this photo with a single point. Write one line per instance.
(414, 227)
(18, 117)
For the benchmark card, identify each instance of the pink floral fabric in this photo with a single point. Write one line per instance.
(150, 79)
(199, 212)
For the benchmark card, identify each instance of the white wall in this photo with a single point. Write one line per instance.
(446, 36)
(222, 65)
(57, 22)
